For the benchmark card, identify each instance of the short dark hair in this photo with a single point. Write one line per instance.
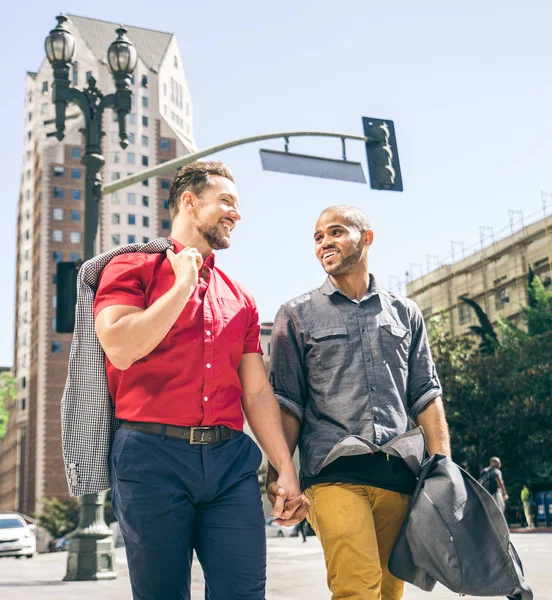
(194, 178)
(356, 217)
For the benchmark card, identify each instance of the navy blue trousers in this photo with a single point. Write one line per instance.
(171, 498)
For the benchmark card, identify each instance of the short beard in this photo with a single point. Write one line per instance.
(346, 262)
(214, 237)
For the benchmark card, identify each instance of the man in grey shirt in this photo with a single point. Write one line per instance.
(352, 370)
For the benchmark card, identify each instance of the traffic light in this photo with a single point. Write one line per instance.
(66, 296)
(383, 155)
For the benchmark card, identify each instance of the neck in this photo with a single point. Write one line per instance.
(189, 236)
(355, 283)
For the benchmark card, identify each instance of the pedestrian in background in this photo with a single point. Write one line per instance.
(526, 501)
(491, 479)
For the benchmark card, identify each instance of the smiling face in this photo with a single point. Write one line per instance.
(216, 212)
(340, 243)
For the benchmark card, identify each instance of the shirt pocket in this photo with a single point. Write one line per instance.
(233, 318)
(395, 342)
(330, 351)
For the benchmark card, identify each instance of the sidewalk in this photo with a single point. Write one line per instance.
(295, 572)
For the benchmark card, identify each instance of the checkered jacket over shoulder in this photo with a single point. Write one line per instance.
(88, 422)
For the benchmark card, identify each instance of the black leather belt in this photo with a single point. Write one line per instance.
(195, 435)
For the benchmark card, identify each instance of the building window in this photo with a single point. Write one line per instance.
(116, 240)
(53, 324)
(132, 79)
(464, 312)
(75, 173)
(75, 257)
(116, 157)
(145, 161)
(501, 299)
(23, 382)
(145, 182)
(28, 174)
(59, 171)
(145, 239)
(44, 87)
(76, 194)
(75, 237)
(176, 62)
(165, 204)
(426, 313)
(165, 184)
(144, 102)
(115, 219)
(75, 73)
(165, 224)
(114, 137)
(145, 200)
(75, 153)
(29, 135)
(131, 138)
(144, 81)
(164, 109)
(54, 301)
(88, 76)
(58, 192)
(44, 108)
(75, 216)
(131, 158)
(58, 214)
(164, 144)
(145, 121)
(26, 276)
(131, 198)
(131, 239)
(57, 256)
(131, 219)
(116, 198)
(56, 347)
(115, 176)
(57, 235)
(164, 89)
(145, 221)
(131, 118)
(23, 403)
(145, 141)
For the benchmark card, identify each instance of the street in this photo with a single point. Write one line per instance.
(295, 571)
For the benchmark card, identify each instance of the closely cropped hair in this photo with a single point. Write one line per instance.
(194, 178)
(356, 217)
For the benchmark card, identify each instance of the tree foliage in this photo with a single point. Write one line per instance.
(8, 392)
(59, 517)
(500, 403)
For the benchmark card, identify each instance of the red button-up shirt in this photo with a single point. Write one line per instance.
(191, 378)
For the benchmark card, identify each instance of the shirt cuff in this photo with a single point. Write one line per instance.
(422, 402)
(294, 408)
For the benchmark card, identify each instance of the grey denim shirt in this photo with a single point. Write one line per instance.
(355, 374)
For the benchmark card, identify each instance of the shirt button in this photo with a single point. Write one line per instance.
(208, 332)
(205, 398)
(208, 365)
(372, 388)
(368, 359)
(376, 419)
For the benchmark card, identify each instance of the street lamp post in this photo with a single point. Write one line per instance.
(91, 554)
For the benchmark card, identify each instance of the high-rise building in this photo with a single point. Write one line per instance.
(50, 228)
(496, 277)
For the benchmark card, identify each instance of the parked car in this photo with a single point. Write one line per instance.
(16, 537)
(274, 529)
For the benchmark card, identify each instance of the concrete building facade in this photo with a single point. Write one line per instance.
(495, 277)
(50, 229)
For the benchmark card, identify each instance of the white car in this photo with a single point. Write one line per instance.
(274, 529)
(16, 537)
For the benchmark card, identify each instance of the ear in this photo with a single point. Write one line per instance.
(187, 201)
(368, 237)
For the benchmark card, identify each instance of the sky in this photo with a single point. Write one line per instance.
(468, 85)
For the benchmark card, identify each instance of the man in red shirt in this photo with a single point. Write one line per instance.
(183, 359)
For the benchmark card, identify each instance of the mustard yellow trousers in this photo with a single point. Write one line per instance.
(358, 526)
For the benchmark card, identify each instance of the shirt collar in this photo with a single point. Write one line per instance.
(209, 262)
(328, 288)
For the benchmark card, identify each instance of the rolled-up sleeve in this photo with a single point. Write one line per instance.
(423, 382)
(286, 364)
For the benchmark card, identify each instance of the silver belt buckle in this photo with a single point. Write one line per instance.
(202, 439)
